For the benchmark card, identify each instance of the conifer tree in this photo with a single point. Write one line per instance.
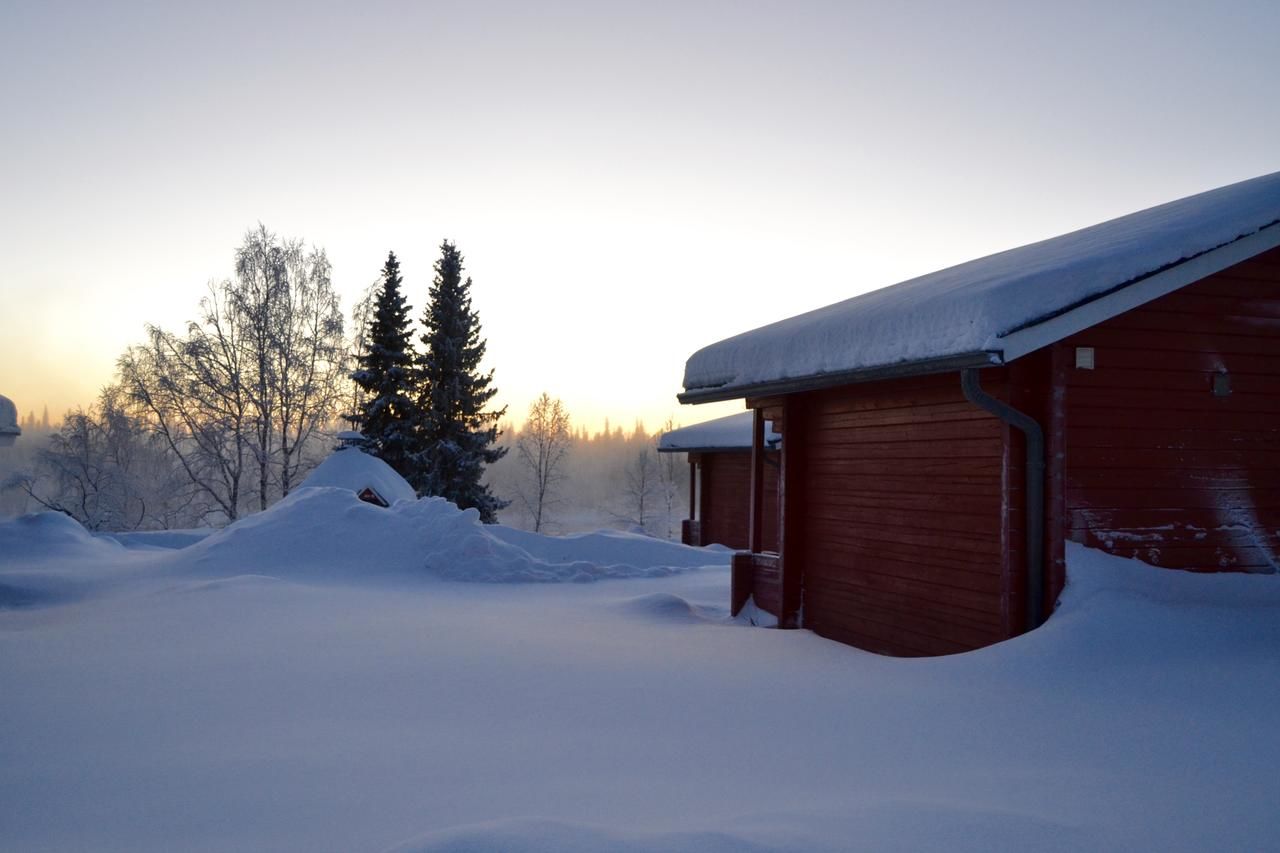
(456, 436)
(386, 415)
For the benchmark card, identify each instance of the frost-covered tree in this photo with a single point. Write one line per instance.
(361, 324)
(671, 480)
(386, 413)
(242, 396)
(542, 447)
(455, 434)
(311, 364)
(192, 391)
(291, 331)
(640, 491)
(105, 469)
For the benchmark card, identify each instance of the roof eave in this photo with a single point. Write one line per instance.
(1137, 292)
(1028, 339)
(799, 384)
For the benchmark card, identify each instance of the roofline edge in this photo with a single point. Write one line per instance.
(817, 382)
(1137, 293)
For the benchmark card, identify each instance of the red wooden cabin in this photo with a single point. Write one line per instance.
(943, 438)
(720, 481)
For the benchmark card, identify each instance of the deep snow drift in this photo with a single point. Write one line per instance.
(351, 468)
(304, 681)
(328, 532)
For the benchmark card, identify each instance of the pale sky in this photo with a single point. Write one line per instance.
(628, 182)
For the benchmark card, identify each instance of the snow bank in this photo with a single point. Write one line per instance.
(1097, 573)
(896, 827)
(143, 540)
(471, 551)
(608, 547)
(968, 308)
(47, 536)
(324, 532)
(48, 558)
(665, 607)
(351, 468)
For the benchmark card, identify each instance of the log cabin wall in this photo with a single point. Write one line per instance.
(906, 517)
(726, 498)
(1157, 465)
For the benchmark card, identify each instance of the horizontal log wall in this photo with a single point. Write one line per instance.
(726, 498)
(1156, 466)
(905, 517)
(758, 577)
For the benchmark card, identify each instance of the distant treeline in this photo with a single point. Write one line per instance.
(613, 478)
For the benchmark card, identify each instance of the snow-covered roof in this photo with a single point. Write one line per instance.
(356, 470)
(727, 433)
(998, 308)
(9, 429)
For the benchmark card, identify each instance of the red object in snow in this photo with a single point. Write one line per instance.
(368, 495)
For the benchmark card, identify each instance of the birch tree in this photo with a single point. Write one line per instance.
(293, 348)
(543, 444)
(104, 469)
(640, 486)
(309, 358)
(192, 391)
(672, 469)
(242, 395)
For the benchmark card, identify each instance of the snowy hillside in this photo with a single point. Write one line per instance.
(317, 677)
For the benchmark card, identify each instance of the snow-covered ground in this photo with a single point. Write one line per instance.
(329, 675)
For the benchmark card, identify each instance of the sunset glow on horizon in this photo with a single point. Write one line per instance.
(627, 184)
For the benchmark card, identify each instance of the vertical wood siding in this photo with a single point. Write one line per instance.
(905, 517)
(1159, 468)
(726, 483)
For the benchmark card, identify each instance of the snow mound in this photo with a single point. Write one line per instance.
(158, 540)
(888, 827)
(231, 583)
(471, 551)
(25, 590)
(751, 614)
(353, 469)
(1119, 616)
(41, 536)
(1091, 573)
(610, 546)
(323, 532)
(548, 836)
(662, 607)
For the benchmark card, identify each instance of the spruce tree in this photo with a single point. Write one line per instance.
(387, 415)
(456, 436)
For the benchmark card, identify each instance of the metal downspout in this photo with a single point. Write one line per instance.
(1026, 424)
